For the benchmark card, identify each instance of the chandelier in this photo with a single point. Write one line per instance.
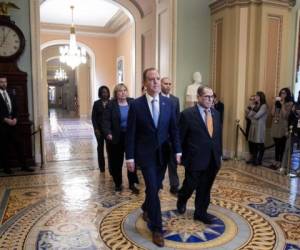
(60, 74)
(72, 55)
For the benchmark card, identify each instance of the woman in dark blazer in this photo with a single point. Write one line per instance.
(97, 116)
(114, 129)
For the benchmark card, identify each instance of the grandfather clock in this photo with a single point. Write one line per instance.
(12, 44)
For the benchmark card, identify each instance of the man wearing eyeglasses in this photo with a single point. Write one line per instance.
(200, 131)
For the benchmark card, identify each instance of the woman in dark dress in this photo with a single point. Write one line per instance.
(97, 115)
(114, 129)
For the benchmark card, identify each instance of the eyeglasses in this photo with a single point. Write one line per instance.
(211, 97)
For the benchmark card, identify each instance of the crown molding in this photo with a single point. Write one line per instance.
(218, 5)
(113, 28)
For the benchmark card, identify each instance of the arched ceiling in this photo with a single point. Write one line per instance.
(87, 12)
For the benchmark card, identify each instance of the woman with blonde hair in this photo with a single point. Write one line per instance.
(114, 129)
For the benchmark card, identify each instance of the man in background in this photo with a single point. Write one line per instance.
(8, 130)
(166, 87)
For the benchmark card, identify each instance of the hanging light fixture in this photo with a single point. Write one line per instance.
(60, 74)
(72, 55)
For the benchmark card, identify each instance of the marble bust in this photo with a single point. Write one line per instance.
(191, 93)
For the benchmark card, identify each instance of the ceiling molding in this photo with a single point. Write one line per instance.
(59, 29)
(218, 5)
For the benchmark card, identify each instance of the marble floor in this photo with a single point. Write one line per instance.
(70, 205)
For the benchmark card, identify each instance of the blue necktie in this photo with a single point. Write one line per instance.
(155, 112)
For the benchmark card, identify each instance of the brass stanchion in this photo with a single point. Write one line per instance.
(288, 170)
(41, 146)
(237, 121)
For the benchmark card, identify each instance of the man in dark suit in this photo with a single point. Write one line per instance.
(8, 131)
(200, 131)
(166, 86)
(151, 124)
(219, 106)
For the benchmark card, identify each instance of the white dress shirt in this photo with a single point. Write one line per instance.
(168, 95)
(202, 112)
(6, 96)
(149, 101)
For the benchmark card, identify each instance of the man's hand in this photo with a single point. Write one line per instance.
(109, 137)
(178, 159)
(14, 122)
(9, 121)
(130, 166)
(97, 132)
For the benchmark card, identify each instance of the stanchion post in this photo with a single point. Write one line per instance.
(289, 151)
(41, 146)
(237, 121)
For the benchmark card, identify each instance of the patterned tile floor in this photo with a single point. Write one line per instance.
(71, 205)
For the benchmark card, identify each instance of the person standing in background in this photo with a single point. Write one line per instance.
(166, 86)
(8, 129)
(281, 109)
(97, 115)
(219, 106)
(257, 132)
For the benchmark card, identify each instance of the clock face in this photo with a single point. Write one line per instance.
(10, 41)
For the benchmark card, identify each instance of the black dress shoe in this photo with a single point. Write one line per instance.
(206, 219)
(158, 239)
(134, 189)
(145, 217)
(27, 169)
(181, 207)
(174, 190)
(8, 171)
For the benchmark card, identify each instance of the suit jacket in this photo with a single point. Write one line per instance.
(145, 143)
(175, 101)
(4, 113)
(220, 107)
(97, 114)
(111, 123)
(198, 148)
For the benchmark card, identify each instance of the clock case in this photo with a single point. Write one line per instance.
(17, 86)
(5, 21)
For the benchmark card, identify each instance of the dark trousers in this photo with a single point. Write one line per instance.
(9, 138)
(100, 151)
(116, 158)
(257, 151)
(153, 176)
(172, 170)
(279, 148)
(202, 182)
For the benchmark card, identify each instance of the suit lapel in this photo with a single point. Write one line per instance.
(146, 107)
(214, 121)
(162, 107)
(199, 119)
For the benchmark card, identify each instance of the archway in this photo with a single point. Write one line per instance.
(91, 54)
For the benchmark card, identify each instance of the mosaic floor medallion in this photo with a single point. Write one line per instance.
(234, 227)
